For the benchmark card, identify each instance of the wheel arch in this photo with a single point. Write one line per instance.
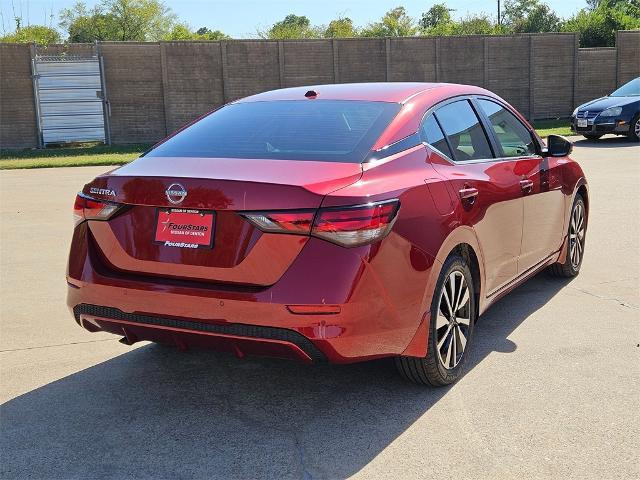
(463, 242)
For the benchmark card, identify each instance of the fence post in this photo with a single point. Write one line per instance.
(36, 93)
(165, 86)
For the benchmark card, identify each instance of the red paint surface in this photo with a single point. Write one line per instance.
(379, 293)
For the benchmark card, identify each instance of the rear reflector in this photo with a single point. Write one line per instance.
(347, 226)
(314, 309)
(87, 208)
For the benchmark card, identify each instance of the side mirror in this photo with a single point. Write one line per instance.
(557, 146)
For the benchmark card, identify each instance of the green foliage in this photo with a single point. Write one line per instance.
(438, 16)
(139, 20)
(530, 16)
(475, 25)
(39, 34)
(597, 26)
(394, 23)
(203, 33)
(291, 27)
(181, 31)
(341, 27)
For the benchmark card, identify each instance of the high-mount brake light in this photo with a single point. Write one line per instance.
(349, 226)
(87, 208)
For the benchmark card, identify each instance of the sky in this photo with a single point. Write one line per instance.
(242, 18)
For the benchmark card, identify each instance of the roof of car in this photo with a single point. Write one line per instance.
(397, 92)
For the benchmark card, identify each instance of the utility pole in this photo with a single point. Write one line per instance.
(499, 20)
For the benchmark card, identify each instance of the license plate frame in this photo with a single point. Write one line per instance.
(197, 228)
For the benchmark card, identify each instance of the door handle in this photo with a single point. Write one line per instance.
(469, 194)
(526, 185)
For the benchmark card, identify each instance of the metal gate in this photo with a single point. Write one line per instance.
(70, 99)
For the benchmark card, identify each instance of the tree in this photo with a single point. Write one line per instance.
(205, 34)
(597, 27)
(475, 25)
(530, 16)
(292, 26)
(140, 20)
(39, 34)
(394, 23)
(341, 27)
(437, 16)
(181, 31)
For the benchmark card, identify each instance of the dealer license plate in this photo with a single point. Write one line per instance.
(184, 228)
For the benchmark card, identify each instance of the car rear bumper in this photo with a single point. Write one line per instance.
(354, 309)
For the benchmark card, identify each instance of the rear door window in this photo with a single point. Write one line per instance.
(514, 138)
(464, 131)
(315, 130)
(432, 134)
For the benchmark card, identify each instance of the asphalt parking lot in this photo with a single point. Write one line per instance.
(552, 389)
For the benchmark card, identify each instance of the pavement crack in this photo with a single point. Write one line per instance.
(603, 297)
(57, 345)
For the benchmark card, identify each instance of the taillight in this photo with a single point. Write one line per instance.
(282, 222)
(87, 208)
(353, 226)
(347, 226)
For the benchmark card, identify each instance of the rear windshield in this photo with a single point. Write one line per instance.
(319, 130)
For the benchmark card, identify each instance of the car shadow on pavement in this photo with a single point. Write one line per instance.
(608, 141)
(159, 413)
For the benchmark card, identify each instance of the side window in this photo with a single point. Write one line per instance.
(464, 131)
(513, 136)
(432, 134)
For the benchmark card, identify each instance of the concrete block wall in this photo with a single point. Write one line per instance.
(250, 67)
(596, 76)
(412, 60)
(306, 62)
(133, 75)
(553, 67)
(461, 60)
(191, 81)
(18, 127)
(155, 88)
(507, 70)
(360, 60)
(628, 62)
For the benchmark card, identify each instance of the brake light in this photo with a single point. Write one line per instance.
(347, 226)
(354, 226)
(87, 208)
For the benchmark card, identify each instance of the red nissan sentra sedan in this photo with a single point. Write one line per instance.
(330, 223)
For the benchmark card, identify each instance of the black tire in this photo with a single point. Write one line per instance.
(430, 370)
(634, 135)
(570, 268)
(591, 136)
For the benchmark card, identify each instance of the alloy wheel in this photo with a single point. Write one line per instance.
(453, 322)
(576, 235)
(636, 128)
